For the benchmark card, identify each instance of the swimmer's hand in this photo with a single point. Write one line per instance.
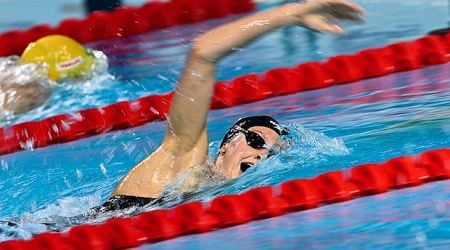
(317, 15)
(324, 15)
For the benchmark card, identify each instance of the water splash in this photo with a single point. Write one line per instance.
(54, 217)
(302, 148)
(301, 145)
(64, 95)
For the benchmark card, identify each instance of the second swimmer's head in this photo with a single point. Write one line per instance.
(64, 57)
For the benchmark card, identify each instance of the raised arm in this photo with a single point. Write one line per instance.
(185, 143)
(191, 101)
(192, 97)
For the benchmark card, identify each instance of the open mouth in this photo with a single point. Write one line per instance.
(245, 166)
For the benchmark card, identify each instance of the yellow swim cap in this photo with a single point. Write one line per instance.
(64, 56)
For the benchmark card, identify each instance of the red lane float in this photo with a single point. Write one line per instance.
(340, 69)
(258, 203)
(125, 21)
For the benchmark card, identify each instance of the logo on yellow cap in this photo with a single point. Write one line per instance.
(69, 64)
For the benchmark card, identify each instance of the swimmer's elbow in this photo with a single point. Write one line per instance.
(204, 51)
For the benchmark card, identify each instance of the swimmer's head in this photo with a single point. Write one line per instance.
(65, 57)
(246, 143)
(23, 87)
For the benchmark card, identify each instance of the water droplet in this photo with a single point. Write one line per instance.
(103, 169)
(135, 106)
(4, 165)
(129, 148)
(67, 182)
(79, 174)
(76, 116)
(196, 74)
(28, 144)
(65, 126)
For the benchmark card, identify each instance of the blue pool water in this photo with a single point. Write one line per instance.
(151, 63)
(335, 128)
(21, 14)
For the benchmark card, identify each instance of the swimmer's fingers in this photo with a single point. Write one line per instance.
(347, 11)
(324, 15)
(344, 6)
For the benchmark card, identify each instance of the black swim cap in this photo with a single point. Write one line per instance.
(252, 121)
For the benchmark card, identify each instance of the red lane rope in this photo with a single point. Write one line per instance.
(258, 203)
(125, 21)
(340, 69)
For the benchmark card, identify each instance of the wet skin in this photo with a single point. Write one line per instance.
(237, 152)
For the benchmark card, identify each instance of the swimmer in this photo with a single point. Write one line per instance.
(185, 144)
(23, 87)
(26, 81)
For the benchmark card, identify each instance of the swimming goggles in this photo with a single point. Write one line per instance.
(253, 139)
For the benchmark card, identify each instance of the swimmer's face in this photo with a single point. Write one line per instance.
(237, 155)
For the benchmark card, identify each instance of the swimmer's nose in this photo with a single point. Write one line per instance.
(258, 157)
(255, 158)
(263, 154)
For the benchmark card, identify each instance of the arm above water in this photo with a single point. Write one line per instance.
(185, 143)
(190, 105)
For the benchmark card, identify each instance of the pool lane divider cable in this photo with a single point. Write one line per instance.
(340, 69)
(126, 21)
(256, 204)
